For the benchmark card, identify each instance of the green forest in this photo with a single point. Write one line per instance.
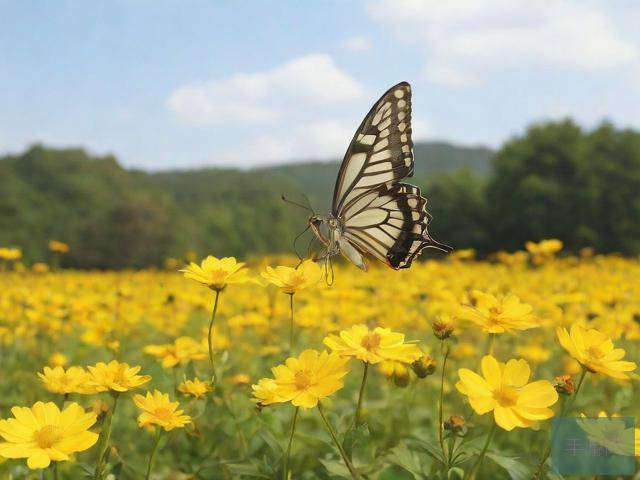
(556, 180)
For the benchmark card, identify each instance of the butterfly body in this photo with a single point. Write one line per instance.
(373, 212)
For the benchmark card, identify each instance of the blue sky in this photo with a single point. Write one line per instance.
(182, 84)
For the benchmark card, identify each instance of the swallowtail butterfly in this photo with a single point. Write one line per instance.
(373, 212)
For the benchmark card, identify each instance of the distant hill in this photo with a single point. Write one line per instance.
(113, 217)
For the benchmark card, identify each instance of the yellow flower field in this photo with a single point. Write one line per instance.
(239, 369)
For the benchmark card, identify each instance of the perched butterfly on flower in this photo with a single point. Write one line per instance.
(373, 212)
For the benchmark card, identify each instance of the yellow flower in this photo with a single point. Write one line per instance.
(595, 352)
(303, 380)
(265, 392)
(115, 377)
(57, 246)
(503, 389)
(498, 315)
(158, 409)
(10, 253)
(373, 346)
(57, 380)
(195, 387)
(40, 267)
(58, 359)
(43, 433)
(544, 247)
(292, 280)
(181, 351)
(217, 273)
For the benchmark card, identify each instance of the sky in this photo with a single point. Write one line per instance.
(189, 83)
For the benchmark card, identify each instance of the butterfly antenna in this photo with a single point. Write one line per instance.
(285, 199)
(309, 204)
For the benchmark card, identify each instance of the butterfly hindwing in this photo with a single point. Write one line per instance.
(381, 215)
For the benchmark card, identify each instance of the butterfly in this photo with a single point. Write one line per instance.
(373, 212)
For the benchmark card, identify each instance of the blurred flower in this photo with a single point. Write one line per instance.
(58, 247)
(424, 366)
(10, 253)
(292, 280)
(544, 250)
(241, 379)
(195, 387)
(443, 327)
(503, 389)
(40, 267)
(43, 434)
(373, 346)
(397, 372)
(463, 254)
(115, 377)
(595, 352)
(182, 350)
(58, 359)
(456, 424)
(158, 409)
(303, 380)
(498, 315)
(217, 273)
(57, 380)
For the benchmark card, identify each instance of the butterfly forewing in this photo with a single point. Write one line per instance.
(382, 216)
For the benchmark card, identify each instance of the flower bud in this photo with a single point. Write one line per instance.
(442, 328)
(401, 377)
(564, 385)
(424, 366)
(456, 424)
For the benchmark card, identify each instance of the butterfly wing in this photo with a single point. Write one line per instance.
(381, 215)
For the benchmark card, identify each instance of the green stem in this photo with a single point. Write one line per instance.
(445, 455)
(288, 452)
(478, 462)
(103, 442)
(210, 339)
(54, 467)
(345, 458)
(291, 323)
(358, 416)
(492, 343)
(566, 408)
(153, 452)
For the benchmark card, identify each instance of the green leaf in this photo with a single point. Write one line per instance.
(515, 467)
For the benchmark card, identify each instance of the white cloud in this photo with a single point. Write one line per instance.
(358, 44)
(316, 140)
(462, 40)
(264, 97)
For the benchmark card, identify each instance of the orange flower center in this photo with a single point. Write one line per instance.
(506, 396)
(302, 380)
(47, 436)
(162, 413)
(595, 352)
(370, 341)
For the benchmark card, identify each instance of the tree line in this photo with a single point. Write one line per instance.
(556, 180)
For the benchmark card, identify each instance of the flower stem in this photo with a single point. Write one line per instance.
(54, 468)
(347, 462)
(153, 452)
(292, 320)
(445, 455)
(566, 408)
(210, 339)
(358, 418)
(478, 462)
(288, 452)
(492, 343)
(103, 442)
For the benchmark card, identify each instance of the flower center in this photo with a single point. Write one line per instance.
(370, 341)
(302, 380)
(47, 436)
(506, 396)
(495, 311)
(595, 352)
(162, 413)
